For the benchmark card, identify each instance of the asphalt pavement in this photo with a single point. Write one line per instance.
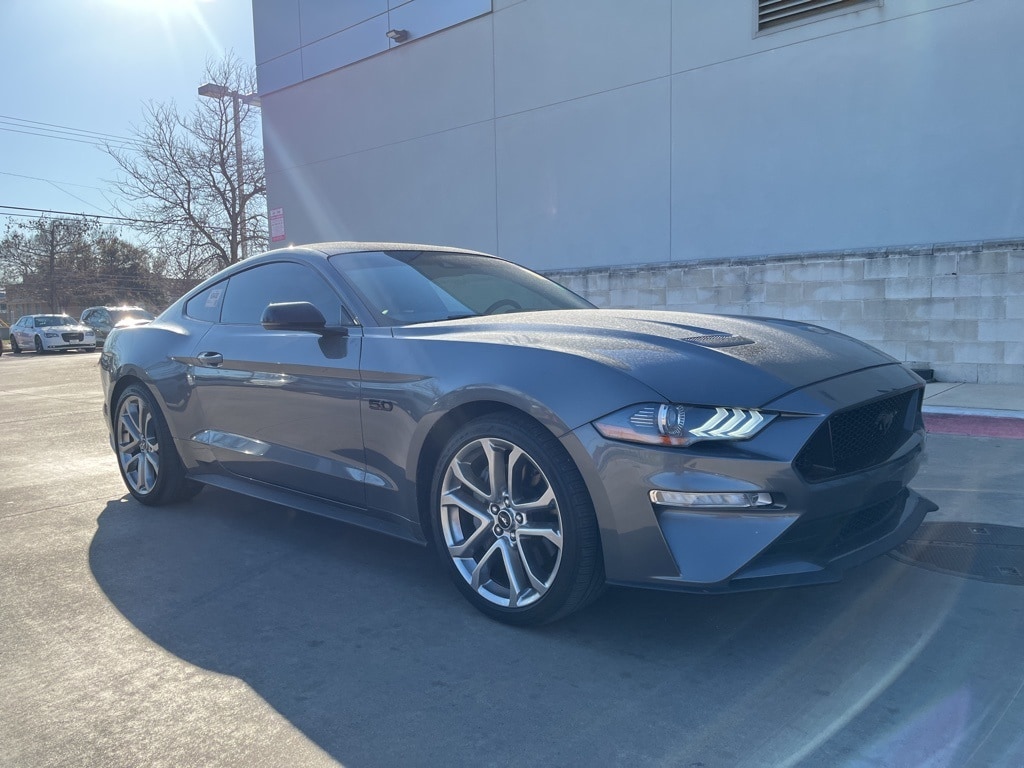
(231, 632)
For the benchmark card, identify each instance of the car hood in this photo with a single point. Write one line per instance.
(686, 357)
(75, 328)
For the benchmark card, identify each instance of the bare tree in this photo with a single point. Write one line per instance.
(73, 262)
(181, 176)
(44, 257)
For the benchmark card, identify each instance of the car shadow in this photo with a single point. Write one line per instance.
(361, 642)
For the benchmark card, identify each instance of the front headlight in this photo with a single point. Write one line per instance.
(682, 425)
(51, 335)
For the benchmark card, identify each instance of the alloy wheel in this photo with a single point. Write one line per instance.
(138, 448)
(501, 522)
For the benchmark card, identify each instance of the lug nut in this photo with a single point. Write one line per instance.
(520, 518)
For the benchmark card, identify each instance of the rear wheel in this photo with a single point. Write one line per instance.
(149, 463)
(513, 522)
(14, 345)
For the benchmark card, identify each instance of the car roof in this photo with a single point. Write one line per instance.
(47, 314)
(322, 250)
(337, 247)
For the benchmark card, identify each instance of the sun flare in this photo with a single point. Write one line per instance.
(160, 6)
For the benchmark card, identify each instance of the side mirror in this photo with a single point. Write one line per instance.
(297, 316)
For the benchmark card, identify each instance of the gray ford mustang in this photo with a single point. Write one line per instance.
(541, 446)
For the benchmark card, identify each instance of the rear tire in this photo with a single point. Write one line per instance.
(513, 522)
(14, 345)
(150, 465)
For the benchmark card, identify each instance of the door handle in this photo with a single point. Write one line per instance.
(211, 359)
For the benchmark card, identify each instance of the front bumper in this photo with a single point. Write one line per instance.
(814, 531)
(74, 345)
(60, 343)
(815, 551)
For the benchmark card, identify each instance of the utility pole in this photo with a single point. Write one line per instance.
(214, 91)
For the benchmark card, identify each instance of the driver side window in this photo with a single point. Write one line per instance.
(249, 293)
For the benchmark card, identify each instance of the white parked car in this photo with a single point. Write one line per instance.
(50, 333)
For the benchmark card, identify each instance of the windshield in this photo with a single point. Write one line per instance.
(135, 313)
(45, 321)
(402, 287)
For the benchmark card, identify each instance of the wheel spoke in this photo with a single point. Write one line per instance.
(472, 485)
(145, 475)
(497, 466)
(517, 579)
(481, 569)
(460, 544)
(511, 460)
(153, 462)
(539, 586)
(129, 445)
(482, 534)
(130, 423)
(455, 499)
(132, 468)
(545, 501)
(542, 531)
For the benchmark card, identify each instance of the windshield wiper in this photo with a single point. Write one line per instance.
(443, 319)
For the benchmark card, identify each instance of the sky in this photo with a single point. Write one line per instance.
(84, 68)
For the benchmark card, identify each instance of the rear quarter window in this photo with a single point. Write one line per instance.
(206, 305)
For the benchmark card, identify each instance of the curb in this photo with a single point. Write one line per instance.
(974, 422)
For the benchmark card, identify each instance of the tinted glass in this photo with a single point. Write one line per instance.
(45, 321)
(251, 291)
(403, 287)
(206, 305)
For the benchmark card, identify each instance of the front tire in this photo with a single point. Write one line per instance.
(513, 522)
(150, 465)
(39, 346)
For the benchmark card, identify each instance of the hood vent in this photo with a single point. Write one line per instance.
(718, 340)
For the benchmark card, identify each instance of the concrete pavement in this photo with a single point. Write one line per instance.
(981, 410)
(232, 632)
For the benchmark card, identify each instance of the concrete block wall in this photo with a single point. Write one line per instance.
(959, 308)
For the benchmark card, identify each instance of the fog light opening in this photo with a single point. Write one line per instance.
(712, 500)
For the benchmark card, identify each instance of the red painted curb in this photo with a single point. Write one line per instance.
(975, 426)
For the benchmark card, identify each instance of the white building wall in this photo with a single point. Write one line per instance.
(893, 125)
(583, 135)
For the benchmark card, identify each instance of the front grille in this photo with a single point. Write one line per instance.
(859, 437)
(69, 337)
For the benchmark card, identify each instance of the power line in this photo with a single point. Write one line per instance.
(100, 134)
(92, 142)
(41, 213)
(50, 181)
(71, 213)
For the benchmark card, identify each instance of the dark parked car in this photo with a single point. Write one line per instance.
(104, 319)
(541, 446)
